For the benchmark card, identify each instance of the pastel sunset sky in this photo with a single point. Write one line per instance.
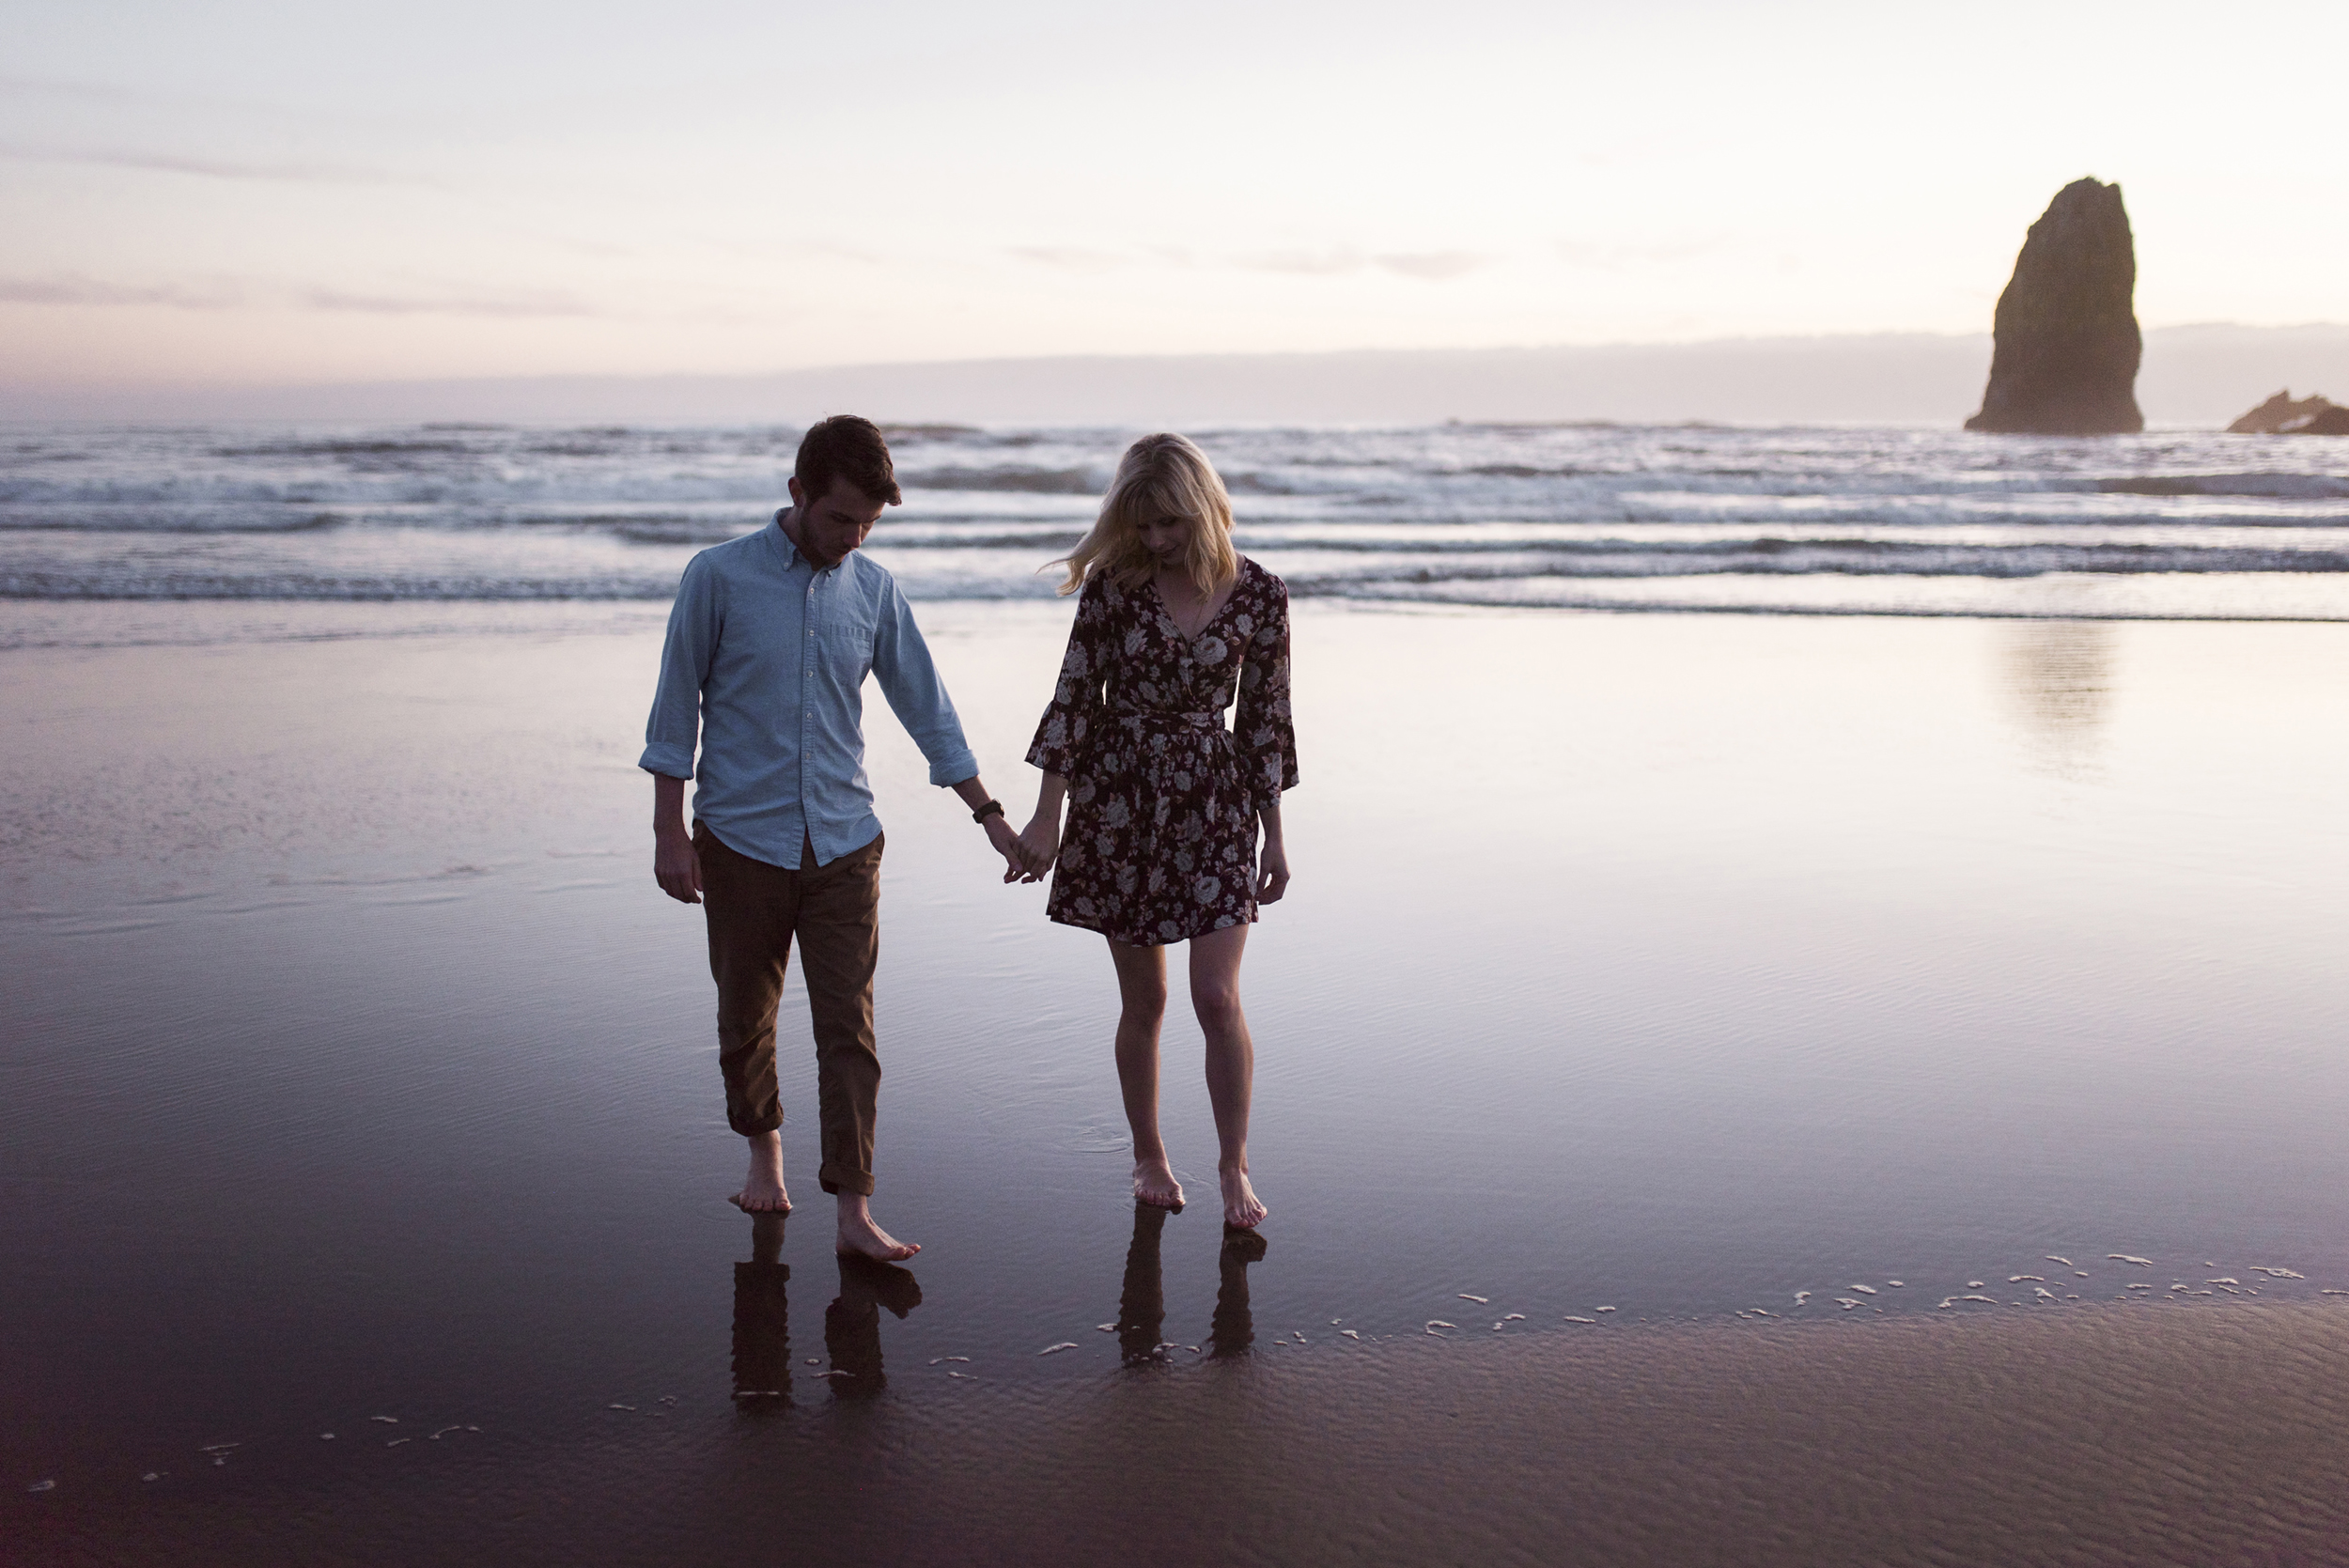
(217, 192)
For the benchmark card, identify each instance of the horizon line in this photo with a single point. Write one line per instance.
(1099, 357)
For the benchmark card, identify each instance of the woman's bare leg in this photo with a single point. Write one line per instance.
(1142, 997)
(1231, 1064)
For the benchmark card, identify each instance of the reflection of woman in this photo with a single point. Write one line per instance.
(1164, 803)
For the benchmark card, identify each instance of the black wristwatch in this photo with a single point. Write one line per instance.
(993, 808)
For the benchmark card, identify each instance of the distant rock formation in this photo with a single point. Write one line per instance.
(2314, 415)
(2066, 340)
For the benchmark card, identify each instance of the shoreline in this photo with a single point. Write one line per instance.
(2212, 1434)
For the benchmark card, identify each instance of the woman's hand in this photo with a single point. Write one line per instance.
(1039, 845)
(1272, 872)
(1007, 844)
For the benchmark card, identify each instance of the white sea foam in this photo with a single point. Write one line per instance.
(1649, 518)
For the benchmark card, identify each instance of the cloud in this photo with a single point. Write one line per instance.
(1330, 263)
(393, 305)
(1072, 259)
(209, 168)
(1430, 266)
(1433, 266)
(64, 89)
(86, 292)
(90, 292)
(1607, 256)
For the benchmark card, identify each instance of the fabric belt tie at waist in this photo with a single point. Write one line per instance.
(1201, 721)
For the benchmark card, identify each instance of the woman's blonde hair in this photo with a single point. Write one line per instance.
(1159, 476)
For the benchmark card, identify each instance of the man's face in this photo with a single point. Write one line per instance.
(836, 523)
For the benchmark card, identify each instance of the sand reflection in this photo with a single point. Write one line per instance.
(2058, 679)
(762, 1321)
(1235, 1327)
(1141, 1302)
(852, 1323)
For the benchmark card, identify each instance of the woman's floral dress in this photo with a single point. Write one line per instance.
(1160, 843)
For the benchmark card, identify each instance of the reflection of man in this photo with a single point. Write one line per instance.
(762, 1319)
(852, 1323)
(769, 644)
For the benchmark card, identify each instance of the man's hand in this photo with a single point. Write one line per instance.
(1272, 872)
(675, 866)
(1007, 844)
(1040, 844)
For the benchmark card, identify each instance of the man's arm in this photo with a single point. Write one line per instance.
(1017, 867)
(675, 728)
(909, 679)
(674, 866)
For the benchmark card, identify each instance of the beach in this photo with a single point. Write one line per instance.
(1644, 975)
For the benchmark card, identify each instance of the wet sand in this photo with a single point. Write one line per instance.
(2126, 1435)
(1677, 965)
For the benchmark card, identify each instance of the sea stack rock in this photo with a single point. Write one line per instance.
(2314, 415)
(2066, 340)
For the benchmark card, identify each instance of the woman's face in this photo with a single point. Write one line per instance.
(1166, 539)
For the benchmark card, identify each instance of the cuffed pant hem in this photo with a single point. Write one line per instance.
(755, 1127)
(834, 1180)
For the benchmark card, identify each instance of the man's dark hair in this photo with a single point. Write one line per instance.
(846, 447)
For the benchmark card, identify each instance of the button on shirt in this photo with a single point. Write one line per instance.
(766, 661)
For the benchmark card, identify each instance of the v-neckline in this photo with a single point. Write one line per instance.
(1190, 639)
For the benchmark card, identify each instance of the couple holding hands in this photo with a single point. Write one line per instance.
(768, 647)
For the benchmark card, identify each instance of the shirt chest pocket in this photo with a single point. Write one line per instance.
(845, 639)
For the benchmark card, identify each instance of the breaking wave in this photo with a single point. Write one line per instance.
(1875, 521)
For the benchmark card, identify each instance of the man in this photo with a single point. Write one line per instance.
(769, 644)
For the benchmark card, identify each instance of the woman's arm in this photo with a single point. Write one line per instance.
(1060, 738)
(1040, 839)
(1272, 861)
(1266, 735)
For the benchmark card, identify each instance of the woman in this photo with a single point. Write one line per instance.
(1164, 803)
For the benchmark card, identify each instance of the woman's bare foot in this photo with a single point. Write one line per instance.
(859, 1237)
(1242, 1206)
(1155, 1183)
(762, 1191)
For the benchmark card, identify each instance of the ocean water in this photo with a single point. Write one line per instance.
(1650, 983)
(1885, 522)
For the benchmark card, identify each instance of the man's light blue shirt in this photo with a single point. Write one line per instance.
(766, 661)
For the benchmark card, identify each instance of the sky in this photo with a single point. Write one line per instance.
(203, 192)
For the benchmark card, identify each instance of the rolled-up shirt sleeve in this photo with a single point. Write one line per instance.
(674, 725)
(909, 679)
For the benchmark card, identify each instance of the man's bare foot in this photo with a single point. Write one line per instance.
(1155, 1183)
(859, 1237)
(1242, 1206)
(762, 1191)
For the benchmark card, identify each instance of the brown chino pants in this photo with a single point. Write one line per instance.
(754, 911)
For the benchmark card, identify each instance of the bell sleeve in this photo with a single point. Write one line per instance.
(1262, 724)
(1060, 738)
